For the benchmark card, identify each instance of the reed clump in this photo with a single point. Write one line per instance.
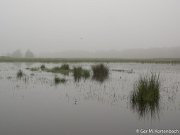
(79, 72)
(64, 69)
(20, 74)
(34, 69)
(100, 72)
(145, 97)
(43, 67)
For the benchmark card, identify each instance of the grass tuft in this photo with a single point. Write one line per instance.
(43, 67)
(79, 72)
(20, 74)
(100, 72)
(64, 69)
(34, 69)
(145, 97)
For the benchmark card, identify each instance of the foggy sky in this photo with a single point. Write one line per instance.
(58, 25)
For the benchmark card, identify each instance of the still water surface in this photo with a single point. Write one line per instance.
(36, 106)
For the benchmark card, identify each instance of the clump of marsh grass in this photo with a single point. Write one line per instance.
(100, 72)
(145, 97)
(79, 72)
(34, 69)
(64, 69)
(85, 74)
(19, 74)
(58, 80)
(43, 67)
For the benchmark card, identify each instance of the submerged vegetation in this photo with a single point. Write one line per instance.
(100, 72)
(43, 67)
(19, 74)
(145, 97)
(34, 69)
(58, 70)
(64, 69)
(79, 72)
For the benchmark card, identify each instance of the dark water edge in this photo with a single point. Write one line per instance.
(90, 60)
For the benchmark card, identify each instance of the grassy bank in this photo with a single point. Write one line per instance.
(108, 60)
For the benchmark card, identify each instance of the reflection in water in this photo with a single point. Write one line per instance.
(101, 78)
(145, 109)
(58, 80)
(145, 97)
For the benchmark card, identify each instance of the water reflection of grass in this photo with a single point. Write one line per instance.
(100, 72)
(58, 80)
(145, 97)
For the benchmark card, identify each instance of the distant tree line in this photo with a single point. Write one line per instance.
(19, 54)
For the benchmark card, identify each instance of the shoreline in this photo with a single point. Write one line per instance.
(89, 60)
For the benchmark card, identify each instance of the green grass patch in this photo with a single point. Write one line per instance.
(79, 72)
(34, 69)
(100, 72)
(19, 74)
(64, 69)
(43, 67)
(60, 70)
(145, 97)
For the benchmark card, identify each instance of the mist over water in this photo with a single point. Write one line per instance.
(57, 26)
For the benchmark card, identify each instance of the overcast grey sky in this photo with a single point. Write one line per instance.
(57, 25)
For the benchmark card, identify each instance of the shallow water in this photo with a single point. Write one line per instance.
(34, 105)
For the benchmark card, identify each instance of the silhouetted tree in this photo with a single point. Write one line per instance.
(17, 54)
(29, 54)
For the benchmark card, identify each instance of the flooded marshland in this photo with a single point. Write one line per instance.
(35, 102)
